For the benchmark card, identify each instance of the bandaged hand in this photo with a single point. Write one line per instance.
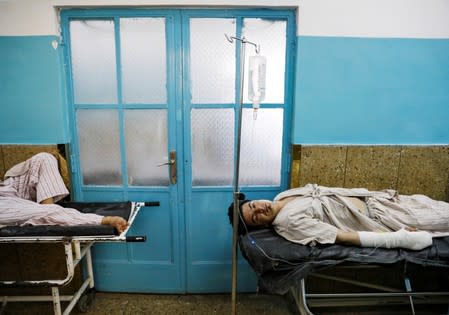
(400, 239)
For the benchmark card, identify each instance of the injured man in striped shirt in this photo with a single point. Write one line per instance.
(29, 193)
(353, 216)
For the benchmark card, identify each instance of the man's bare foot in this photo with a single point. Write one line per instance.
(118, 222)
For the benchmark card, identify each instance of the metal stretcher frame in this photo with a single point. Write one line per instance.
(76, 249)
(283, 267)
(386, 296)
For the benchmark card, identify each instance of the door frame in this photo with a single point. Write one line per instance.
(125, 192)
(178, 92)
(246, 274)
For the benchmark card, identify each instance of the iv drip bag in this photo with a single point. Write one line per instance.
(256, 86)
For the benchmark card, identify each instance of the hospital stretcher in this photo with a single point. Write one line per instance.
(77, 242)
(283, 267)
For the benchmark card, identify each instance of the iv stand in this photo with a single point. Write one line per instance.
(237, 168)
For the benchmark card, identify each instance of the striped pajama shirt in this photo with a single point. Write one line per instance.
(30, 182)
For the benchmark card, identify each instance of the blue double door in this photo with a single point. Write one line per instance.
(154, 98)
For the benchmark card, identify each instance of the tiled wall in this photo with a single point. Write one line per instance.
(408, 169)
(10, 155)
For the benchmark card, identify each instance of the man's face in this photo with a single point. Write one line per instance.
(258, 212)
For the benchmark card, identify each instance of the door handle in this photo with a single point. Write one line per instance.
(172, 163)
(173, 175)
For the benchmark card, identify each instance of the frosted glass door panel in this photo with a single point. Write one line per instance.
(93, 62)
(271, 36)
(144, 74)
(146, 147)
(261, 147)
(212, 61)
(99, 144)
(212, 146)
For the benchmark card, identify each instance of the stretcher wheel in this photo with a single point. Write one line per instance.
(85, 301)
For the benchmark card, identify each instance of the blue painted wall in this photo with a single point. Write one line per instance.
(348, 90)
(32, 102)
(371, 91)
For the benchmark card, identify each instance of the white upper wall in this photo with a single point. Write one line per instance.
(355, 18)
(374, 18)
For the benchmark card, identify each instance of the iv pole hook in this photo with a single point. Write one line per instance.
(243, 40)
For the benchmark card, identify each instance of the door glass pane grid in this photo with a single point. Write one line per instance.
(271, 35)
(143, 60)
(212, 61)
(212, 146)
(146, 144)
(93, 61)
(99, 145)
(261, 147)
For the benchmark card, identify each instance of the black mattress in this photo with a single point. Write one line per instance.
(122, 209)
(280, 263)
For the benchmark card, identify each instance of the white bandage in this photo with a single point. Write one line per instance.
(399, 239)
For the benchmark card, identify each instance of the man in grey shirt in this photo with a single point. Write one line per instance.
(317, 214)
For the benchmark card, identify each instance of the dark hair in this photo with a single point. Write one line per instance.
(242, 227)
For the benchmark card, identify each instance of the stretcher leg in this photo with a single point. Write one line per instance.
(78, 299)
(303, 297)
(408, 287)
(56, 300)
(90, 270)
(299, 294)
(3, 305)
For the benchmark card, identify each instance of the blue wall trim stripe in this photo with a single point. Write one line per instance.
(371, 91)
(32, 105)
(348, 90)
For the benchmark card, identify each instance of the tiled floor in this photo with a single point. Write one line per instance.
(213, 304)
(146, 304)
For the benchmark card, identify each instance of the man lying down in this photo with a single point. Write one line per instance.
(317, 214)
(30, 191)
